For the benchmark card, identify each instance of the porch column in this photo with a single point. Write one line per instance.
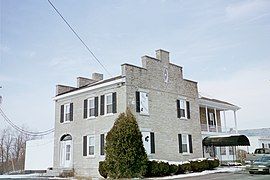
(225, 123)
(235, 122)
(216, 119)
(206, 115)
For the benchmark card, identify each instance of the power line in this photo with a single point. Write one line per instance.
(76, 34)
(32, 133)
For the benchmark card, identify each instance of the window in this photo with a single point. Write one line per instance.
(91, 105)
(231, 152)
(183, 109)
(268, 145)
(91, 145)
(222, 150)
(185, 143)
(142, 103)
(66, 112)
(148, 139)
(211, 119)
(109, 103)
(68, 152)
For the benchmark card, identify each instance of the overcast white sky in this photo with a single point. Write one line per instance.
(222, 44)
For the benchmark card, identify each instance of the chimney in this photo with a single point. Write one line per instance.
(162, 55)
(97, 76)
(82, 81)
(61, 89)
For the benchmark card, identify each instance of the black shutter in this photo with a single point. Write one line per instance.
(102, 105)
(190, 143)
(96, 106)
(178, 108)
(71, 112)
(84, 145)
(152, 141)
(102, 144)
(180, 143)
(188, 110)
(62, 114)
(114, 102)
(85, 102)
(138, 109)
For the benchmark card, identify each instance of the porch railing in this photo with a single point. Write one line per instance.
(212, 128)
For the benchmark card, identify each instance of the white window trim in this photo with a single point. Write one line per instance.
(213, 120)
(142, 113)
(185, 103)
(88, 108)
(65, 120)
(105, 104)
(92, 136)
(188, 148)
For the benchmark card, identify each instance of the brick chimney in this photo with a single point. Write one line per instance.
(97, 76)
(163, 55)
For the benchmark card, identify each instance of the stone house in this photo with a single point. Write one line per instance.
(164, 103)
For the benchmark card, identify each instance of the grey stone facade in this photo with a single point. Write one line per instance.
(162, 119)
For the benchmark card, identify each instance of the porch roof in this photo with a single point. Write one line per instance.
(226, 140)
(218, 104)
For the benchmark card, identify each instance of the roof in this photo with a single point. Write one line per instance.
(215, 103)
(93, 84)
(263, 132)
(228, 140)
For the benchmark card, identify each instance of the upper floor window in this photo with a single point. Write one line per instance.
(66, 114)
(91, 104)
(90, 107)
(142, 103)
(109, 103)
(183, 109)
(211, 119)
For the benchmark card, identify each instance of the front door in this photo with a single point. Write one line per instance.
(146, 141)
(66, 153)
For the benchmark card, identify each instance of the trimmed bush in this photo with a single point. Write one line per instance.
(212, 163)
(102, 169)
(199, 166)
(183, 168)
(158, 169)
(125, 154)
(173, 169)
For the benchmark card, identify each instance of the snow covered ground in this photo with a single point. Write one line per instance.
(27, 176)
(218, 170)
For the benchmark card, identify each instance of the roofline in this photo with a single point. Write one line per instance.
(94, 86)
(220, 105)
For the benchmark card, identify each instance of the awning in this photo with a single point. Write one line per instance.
(228, 140)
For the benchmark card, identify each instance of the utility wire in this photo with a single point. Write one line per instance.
(32, 133)
(76, 34)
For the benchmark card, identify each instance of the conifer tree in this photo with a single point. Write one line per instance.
(125, 154)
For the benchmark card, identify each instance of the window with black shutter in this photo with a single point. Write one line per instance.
(96, 106)
(138, 109)
(85, 103)
(102, 103)
(188, 109)
(71, 112)
(114, 101)
(84, 145)
(180, 143)
(62, 114)
(152, 140)
(190, 143)
(178, 108)
(102, 144)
